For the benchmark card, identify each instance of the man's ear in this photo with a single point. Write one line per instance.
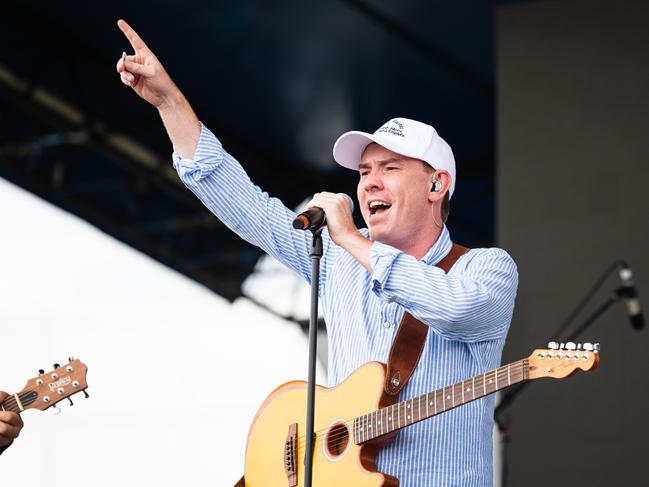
(439, 185)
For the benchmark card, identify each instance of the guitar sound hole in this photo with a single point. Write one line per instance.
(337, 439)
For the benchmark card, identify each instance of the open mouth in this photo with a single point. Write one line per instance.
(377, 207)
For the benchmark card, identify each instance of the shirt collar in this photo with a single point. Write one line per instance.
(440, 248)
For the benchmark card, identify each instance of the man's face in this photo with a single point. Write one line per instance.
(393, 193)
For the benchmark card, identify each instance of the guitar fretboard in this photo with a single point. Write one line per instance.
(10, 403)
(410, 411)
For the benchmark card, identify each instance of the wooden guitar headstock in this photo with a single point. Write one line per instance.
(46, 389)
(563, 360)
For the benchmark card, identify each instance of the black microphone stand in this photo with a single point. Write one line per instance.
(316, 254)
(508, 398)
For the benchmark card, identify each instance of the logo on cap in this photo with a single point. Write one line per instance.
(398, 130)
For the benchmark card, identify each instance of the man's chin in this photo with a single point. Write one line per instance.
(377, 234)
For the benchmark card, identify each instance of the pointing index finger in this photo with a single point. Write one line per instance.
(136, 42)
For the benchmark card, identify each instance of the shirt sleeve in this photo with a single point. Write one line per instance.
(225, 189)
(474, 302)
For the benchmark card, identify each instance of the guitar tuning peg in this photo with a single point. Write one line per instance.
(56, 410)
(41, 371)
(56, 366)
(70, 358)
(588, 346)
(570, 346)
(553, 345)
(562, 346)
(579, 346)
(596, 347)
(71, 403)
(85, 393)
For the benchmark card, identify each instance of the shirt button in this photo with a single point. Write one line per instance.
(387, 324)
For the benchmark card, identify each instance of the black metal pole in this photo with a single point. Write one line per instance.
(316, 253)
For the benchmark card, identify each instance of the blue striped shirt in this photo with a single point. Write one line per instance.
(468, 311)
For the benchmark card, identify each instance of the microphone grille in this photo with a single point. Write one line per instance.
(626, 274)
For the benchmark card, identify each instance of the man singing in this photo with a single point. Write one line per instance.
(370, 277)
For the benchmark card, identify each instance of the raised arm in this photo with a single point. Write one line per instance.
(208, 170)
(144, 73)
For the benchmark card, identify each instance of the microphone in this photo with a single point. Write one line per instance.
(315, 217)
(629, 293)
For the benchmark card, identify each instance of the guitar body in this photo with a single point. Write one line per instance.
(337, 460)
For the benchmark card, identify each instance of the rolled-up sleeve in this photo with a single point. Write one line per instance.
(223, 186)
(473, 302)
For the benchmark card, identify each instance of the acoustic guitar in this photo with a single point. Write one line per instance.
(46, 389)
(354, 419)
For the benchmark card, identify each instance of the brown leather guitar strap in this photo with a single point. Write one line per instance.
(410, 338)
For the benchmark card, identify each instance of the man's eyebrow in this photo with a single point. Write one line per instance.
(382, 162)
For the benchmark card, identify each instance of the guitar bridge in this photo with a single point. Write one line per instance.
(290, 451)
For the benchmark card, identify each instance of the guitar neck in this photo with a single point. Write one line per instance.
(405, 413)
(18, 402)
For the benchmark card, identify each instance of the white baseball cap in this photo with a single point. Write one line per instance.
(403, 136)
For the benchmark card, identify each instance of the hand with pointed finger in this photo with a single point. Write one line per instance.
(143, 72)
(10, 425)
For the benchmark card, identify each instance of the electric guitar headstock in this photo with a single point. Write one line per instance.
(563, 360)
(47, 389)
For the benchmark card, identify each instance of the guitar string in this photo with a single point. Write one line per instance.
(517, 375)
(514, 374)
(321, 438)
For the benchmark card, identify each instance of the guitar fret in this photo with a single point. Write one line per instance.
(427, 401)
(365, 427)
(473, 386)
(509, 377)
